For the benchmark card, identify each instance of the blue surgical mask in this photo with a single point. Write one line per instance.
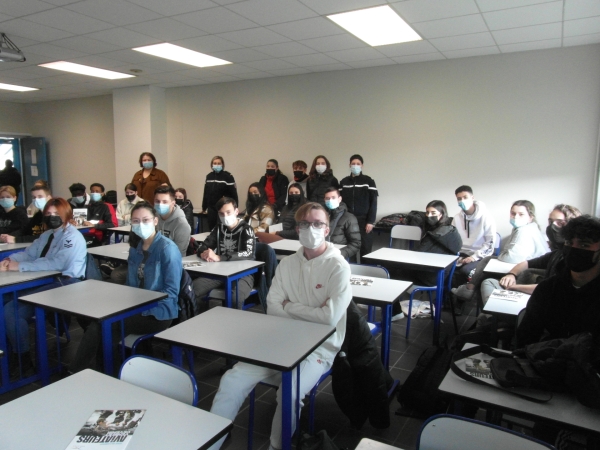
(355, 169)
(79, 199)
(143, 230)
(95, 196)
(148, 164)
(332, 204)
(39, 203)
(161, 208)
(217, 168)
(518, 222)
(465, 204)
(7, 203)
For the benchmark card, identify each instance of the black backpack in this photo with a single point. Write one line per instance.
(188, 307)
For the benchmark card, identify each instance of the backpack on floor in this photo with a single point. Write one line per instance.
(188, 307)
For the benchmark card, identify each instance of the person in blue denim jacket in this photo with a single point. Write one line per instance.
(155, 264)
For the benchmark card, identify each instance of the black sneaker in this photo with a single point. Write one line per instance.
(107, 267)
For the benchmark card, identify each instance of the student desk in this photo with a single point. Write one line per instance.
(383, 293)
(430, 262)
(370, 444)
(120, 231)
(97, 300)
(8, 249)
(511, 307)
(115, 252)
(290, 246)
(266, 341)
(563, 410)
(49, 418)
(12, 282)
(201, 236)
(226, 271)
(498, 268)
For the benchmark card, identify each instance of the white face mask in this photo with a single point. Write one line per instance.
(312, 238)
(228, 221)
(320, 168)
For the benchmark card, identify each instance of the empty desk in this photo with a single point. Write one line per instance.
(116, 252)
(120, 232)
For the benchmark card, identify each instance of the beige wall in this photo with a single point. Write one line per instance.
(13, 118)
(513, 126)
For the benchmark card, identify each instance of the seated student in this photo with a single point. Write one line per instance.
(343, 225)
(300, 176)
(186, 206)
(311, 285)
(13, 219)
(62, 248)
(79, 198)
(259, 213)
(126, 205)
(525, 242)
(98, 213)
(171, 219)
(320, 178)
(275, 185)
(155, 264)
(40, 192)
(295, 199)
(95, 189)
(231, 240)
(32, 210)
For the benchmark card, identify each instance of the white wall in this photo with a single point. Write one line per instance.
(80, 138)
(13, 118)
(513, 126)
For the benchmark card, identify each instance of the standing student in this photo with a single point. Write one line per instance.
(41, 195)
(126, 205)
(171, 219)
(13, 219)
(320, 178)
(185, 204)
(259, 213)
(343, 225)
(360, 195)
(10, 176)
(300, 176)
(149, 177)
(275, 185)
(219, 183)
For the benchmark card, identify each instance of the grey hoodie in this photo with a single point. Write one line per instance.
(176, 228)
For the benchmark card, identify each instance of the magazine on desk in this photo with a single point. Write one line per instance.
(361, 281)
(107, 428)
(511, 296)
(479, 368)
(80, 215)
(188, 264)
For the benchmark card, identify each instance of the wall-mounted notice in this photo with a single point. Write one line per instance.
(33, 156)
(34, 171)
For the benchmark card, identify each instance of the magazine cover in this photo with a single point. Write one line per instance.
(188, 264)
(512, 296)
(107, 428)
(80, 215)
(361, 281)
(479, 368)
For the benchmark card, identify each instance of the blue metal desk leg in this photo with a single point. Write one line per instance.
(107, 347)
(228, 282)
(177, 355)
(286, 410)
(386, 323)
(439, 295)
(42, 345)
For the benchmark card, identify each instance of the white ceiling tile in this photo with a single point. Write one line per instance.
(70, 21)
(581, 40)
(5, 17)
(494, 5)
(270, 64)
(171, 8)
(86, 45)
(28, 73)
(221, 78)
(209, 43)
(254, 37)
(287, 72)
(197, 73)
(336, 6)
(333, 43)
(59, 79)
(355, 54)
(147, 69)
(61, 2)
(33, 59)
(285, 49)
(55, 52)
(465, 41)
(419, 58)
(216, 20)
(407, 48)
(471, 52)
(307, 28)
(451, 27)
(422, 10)
(241, 55)
(234, 69)
(526, 34)
(31, 30)
(330, 67)
(270, 12)
(371, 63)
(129, 56)
(123, 38)
(581, 26)
(117, 12)
(166, 29)
(97, 61)
(254, 75)
(315, 59)
(579, 9)
(18, 8)
(523, 17)
(525, 46)
(22, 42)
(168, 76)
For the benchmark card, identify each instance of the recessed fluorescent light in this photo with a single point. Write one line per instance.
(182, 55)
(86, 70)
(376, 26)
(14, 87)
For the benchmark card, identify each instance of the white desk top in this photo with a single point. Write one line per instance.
(511, 305)
(422, 260)
(223, 268)
(123, 229)
(93, 299)
(201, 236)
(370, 444)
(49, 418)
(496, 266)
(263, 340)
(114, 251)
(8, 278)
(289, 246)
(563, 408)
(381, 293)
(5, 247)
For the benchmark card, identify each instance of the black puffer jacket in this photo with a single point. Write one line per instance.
(288, 221)
(344, 230)
(316, 187)
(188, 209)
(359, 381)
(218, 185)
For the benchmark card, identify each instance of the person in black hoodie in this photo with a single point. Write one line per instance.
(275, 184)
(13, 219)
(219, 183)
(40, 194)
(186, 206)
(360, 193)
(296, 199)
(343, 225)
(319, 179)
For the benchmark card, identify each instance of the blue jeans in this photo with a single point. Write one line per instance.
(17, 329)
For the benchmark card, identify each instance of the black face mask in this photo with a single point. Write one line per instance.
(53, 222)
(579, 259)
(254, 198)
(298, 174)
(553, 233)
(130, 198)
(294, 198)
(179, 201)
(432, 221)
(271, 172)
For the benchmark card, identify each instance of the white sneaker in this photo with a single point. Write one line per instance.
(397, 317)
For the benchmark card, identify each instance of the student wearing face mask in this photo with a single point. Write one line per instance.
(296, 199)
(343, 225)
(126, 205)
(219, 183)
(259, 213)
(320, 178)
(231, 240)
(61, 247)
(300, 176)
(171, 219)
(40, 193)
(100, 215)
(275, 185)
(13, 219)
(149, 177)
(185, 204)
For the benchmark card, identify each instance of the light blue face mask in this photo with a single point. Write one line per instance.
(217, 168)
(332, 204)
(518, 222)
(143, 230)
(148, 164)
(79, 199)
(355, 169)
(95, 196)
(39, 203)
(7, 203)
(161, 208)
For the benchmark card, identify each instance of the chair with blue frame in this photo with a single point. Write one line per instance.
(374, 271)
(406, 232)
(497, 244)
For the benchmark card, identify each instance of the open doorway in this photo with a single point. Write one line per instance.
(9, 150)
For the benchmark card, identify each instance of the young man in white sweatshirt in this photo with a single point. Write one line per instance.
(312, 285)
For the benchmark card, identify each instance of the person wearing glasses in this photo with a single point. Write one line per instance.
(311, 285)
(154, 264)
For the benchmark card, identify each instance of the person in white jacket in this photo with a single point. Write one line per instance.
(312, 285)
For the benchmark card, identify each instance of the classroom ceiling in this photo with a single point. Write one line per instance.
(263, 38)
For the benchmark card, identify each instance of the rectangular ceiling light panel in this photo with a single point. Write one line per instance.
(182, 55)
(86, 70)
(14, 87)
